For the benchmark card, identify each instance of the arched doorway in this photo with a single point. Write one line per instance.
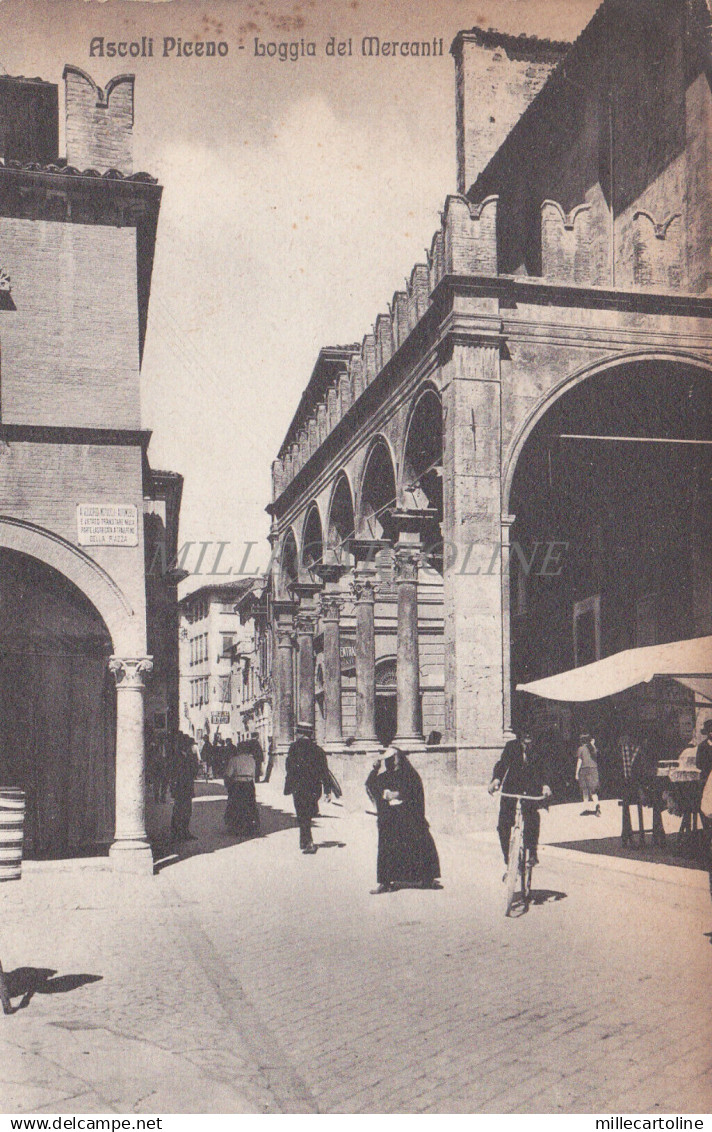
(386, 700)
(57, 707)
(611, 547)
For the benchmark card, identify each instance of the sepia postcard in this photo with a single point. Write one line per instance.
(355, 561)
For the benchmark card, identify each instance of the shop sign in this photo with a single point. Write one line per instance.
(347, 652)
(107, 524)
(220, 717)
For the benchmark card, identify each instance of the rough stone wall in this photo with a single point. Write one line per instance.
(99, 123)
(70, 349)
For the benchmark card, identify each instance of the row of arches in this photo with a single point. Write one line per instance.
(414, 481)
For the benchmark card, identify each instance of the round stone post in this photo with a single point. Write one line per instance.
(330, 614)
(130, 850)
(284, 664)
(364, 593)
(305, 668)
(409, 733)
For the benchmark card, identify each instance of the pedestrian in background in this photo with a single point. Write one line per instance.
(185, 770)
(241, 814)
(587, 772)
(307, 774)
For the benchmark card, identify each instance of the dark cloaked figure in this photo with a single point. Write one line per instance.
(406, 851)
(184, 772)
(307, 773)
(241, 813)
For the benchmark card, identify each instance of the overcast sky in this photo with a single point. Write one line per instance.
(297, 197)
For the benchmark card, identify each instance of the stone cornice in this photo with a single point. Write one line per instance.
(533, 291)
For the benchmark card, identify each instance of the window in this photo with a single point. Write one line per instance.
(228, 640)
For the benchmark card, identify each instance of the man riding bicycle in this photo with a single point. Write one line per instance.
(518, 772)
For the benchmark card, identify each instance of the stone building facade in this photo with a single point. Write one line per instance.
(77, 236)
(540, 387)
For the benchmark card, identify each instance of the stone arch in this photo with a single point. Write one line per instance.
(288, 564)
(341, 522)
(126, 628)
(422, 452)
(377, 488)
(613, 362)
(312, 538)
(632, 517)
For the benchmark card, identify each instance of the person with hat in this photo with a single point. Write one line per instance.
(307, 773)
(518, 771)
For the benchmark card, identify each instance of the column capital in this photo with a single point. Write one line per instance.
(363, 588)
(330, 606)
(408, 559)
(305, 622)
(285, 636)
(130, 671)
(508, 520)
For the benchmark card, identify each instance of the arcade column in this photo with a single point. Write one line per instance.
(130, 850)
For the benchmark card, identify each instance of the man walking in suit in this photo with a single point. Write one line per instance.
(307, 773)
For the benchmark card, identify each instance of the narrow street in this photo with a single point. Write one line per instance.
(250, 978)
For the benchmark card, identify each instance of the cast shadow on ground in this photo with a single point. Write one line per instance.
(538, 896)
(29, 981)
(330, 844)
(210, 834)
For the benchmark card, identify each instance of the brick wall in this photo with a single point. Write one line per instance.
(43, 483)
(496, 76)
(99, 122)
(623, 126)
(70, 349)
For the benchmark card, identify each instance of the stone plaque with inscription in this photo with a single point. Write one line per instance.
(107, 524)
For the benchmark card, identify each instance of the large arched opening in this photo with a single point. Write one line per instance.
(289, 566)
(378, 491)
(341, 523)
(312, 540)
(611, 547)
(422, 483)
(57, 708)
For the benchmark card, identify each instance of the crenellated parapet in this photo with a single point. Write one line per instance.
(470, 236)
(465, 243)
(657, 250)
(567, 245)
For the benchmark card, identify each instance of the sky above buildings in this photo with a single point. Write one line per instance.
(298, 194)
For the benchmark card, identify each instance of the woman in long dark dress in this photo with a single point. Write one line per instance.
(406, 850)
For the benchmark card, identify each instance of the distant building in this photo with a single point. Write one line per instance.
(82, 626)
(210, 628)
(252, 666)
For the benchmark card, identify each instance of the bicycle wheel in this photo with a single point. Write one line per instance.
(526, 873)
(515, 844)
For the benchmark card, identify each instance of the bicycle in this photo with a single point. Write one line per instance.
(519, 861)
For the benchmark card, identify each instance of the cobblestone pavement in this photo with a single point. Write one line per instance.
(250, 978)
